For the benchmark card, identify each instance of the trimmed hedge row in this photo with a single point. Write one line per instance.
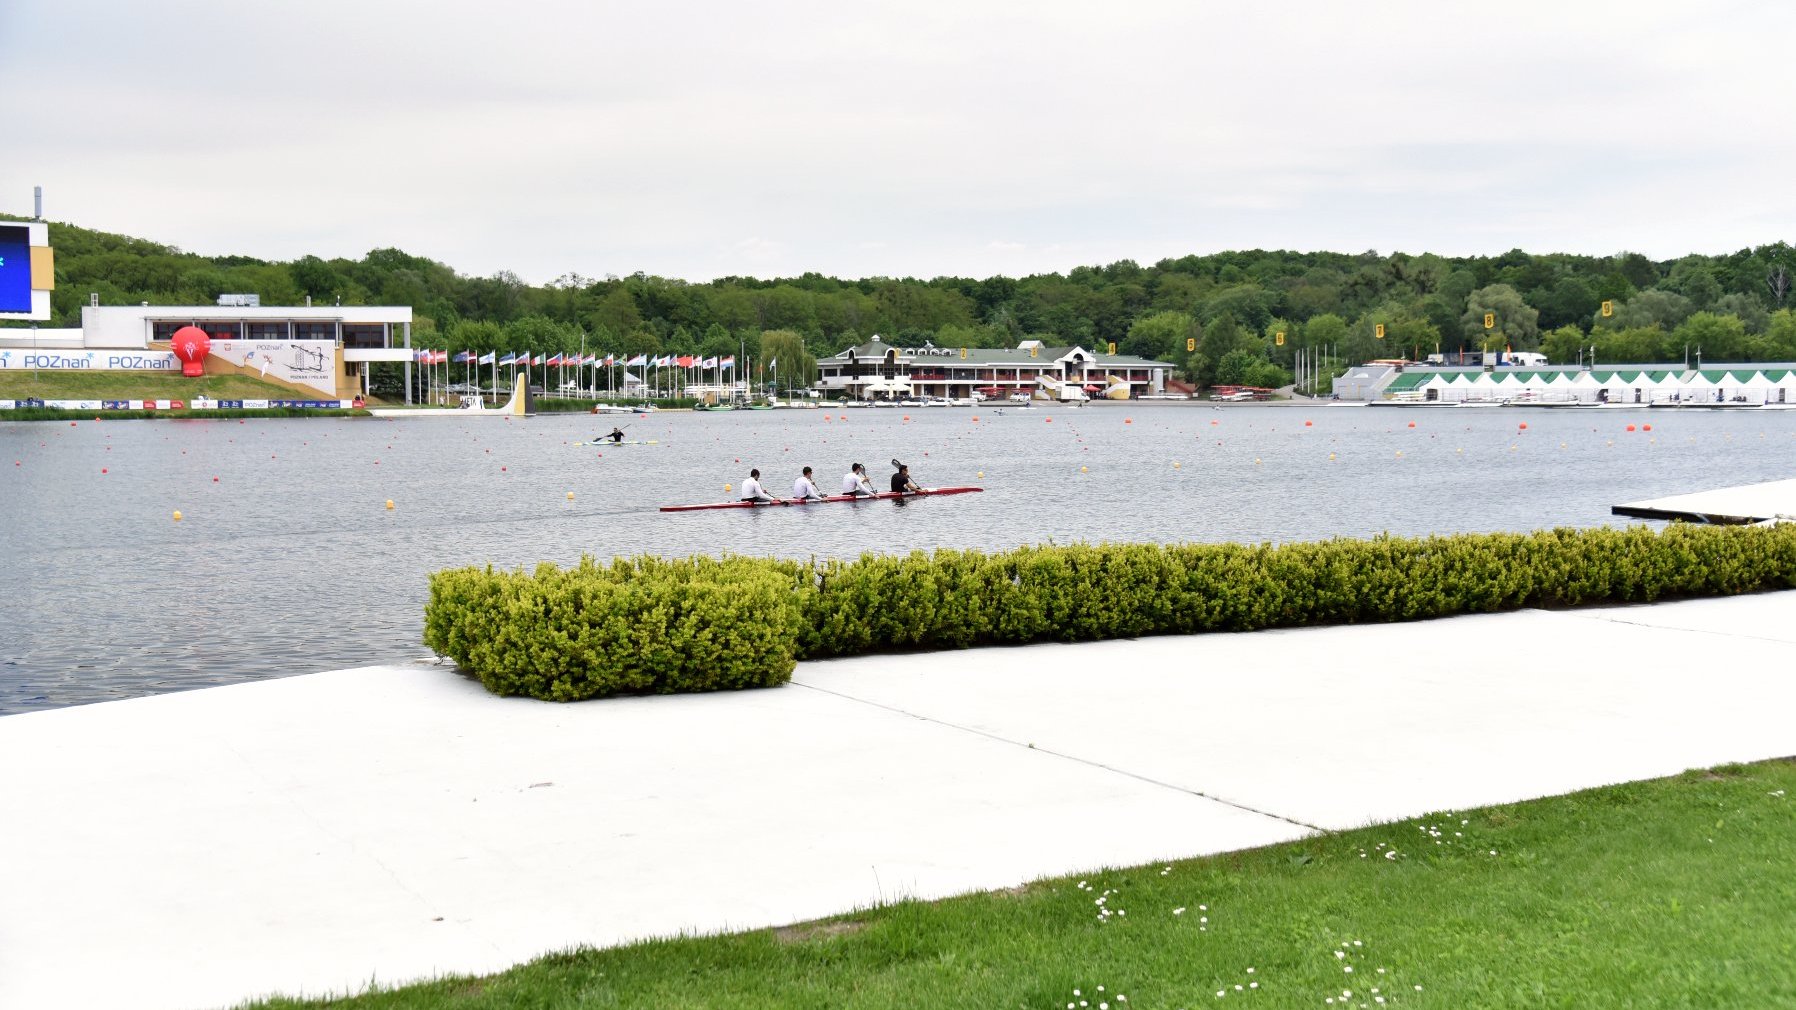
(701, 624)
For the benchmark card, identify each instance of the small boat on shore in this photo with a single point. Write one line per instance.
(834, 499)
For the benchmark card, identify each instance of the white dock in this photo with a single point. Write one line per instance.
(1728, 506)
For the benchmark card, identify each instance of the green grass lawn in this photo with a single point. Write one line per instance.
(1674, 893)
(19, 385)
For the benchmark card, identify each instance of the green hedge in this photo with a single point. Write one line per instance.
(701, 624)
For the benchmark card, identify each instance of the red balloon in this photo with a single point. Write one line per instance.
(191, 345)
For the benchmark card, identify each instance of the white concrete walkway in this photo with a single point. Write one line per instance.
(311, 834)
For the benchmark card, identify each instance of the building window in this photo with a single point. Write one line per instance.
(223, 330)
(268, 331)
(364, 335)
(165, 331)
(314, 331)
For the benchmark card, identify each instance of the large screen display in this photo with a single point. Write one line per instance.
(15, 268)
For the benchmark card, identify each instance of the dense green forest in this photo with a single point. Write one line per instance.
(1231, 305)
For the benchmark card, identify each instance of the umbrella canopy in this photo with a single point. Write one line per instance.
(1093, 389)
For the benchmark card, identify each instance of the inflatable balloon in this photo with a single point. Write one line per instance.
(192, 345)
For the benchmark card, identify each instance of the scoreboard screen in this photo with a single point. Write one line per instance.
(15, 268)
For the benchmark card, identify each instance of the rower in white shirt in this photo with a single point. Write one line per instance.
(855, 482)
(753, 491)
(804, 489)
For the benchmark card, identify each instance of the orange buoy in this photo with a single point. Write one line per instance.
(1524, 426)
(1630, 427)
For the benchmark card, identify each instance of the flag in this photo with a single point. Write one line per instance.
(684, 361)
(487, 358)
(708, 363)
(610, 360)
(774, 365)
(637, 362)
(508, 359)
(539, 360)
(555, 359)
(729, 361)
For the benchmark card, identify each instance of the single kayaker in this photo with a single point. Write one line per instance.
(753, 491)
(804, 489)
(616, 436)
(855, 482)
(901, 481)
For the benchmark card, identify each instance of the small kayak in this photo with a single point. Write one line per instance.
(627, 441)
(834, 499)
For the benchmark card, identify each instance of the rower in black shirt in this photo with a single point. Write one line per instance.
(901, 481)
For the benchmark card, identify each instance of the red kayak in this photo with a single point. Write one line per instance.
(829, 500)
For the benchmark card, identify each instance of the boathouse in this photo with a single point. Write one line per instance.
(1030, 369)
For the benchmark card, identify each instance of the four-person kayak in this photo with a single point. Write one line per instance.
(827, 500)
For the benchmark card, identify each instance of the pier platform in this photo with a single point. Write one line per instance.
(393, 823)
(1728, 506)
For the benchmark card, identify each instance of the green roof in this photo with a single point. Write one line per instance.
(1407, 381)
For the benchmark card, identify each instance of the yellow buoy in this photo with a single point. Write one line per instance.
(981, 475)
(177, 515)
(570, 496)
(1081, 469)
(1175, 464)
(1256, 461)
(726, 487)
(1331, 455)
(389, 503)
(1399, 452)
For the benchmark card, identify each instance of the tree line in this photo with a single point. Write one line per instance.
(1245, 315)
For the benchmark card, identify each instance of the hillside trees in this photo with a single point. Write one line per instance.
(1318, 298)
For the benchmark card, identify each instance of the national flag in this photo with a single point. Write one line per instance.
(442, 357)
(488, 358)
(539, 360)
(555, 359)
(637, 362)
(610, 360)
(684, 361)
(774, 365)
(729, 361)
(709, 363)
(508, 359)
(461, 357)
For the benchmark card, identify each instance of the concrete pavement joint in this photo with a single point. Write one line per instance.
(1671, 627)
(1067, 757)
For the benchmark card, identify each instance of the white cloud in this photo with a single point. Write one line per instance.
(896, 139)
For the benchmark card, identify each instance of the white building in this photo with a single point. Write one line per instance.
(324, 349)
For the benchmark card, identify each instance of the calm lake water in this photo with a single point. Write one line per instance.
(288, 562)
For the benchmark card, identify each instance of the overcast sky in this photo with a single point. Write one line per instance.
(899, 139)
